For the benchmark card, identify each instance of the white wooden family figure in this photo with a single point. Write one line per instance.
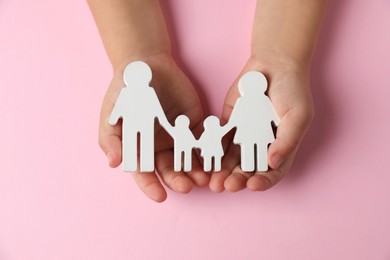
(138, 106)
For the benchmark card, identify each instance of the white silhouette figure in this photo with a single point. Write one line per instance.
(138, 106)
(252, 116)
(184, 142)
(210, 143)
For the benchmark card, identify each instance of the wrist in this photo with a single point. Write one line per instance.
(159, 57)
(275, 62)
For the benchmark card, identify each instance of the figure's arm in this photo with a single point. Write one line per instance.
(199, 143)
(276, 119)
(232, 122)
(168, 127)
(273, 115)
(226, 128)
(117, 110)
(196, 143)
(159, 112)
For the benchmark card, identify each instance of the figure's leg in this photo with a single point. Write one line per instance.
(247, 158)
(217, 163)
(188, 160)
(177, 160)
(129, 153)
(147, 150)
(262, 157)
(207, 163)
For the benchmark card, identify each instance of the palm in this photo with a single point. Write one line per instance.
(177, 96)
(291, 97)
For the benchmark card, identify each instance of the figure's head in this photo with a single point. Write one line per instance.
(211, 122)
(253, 82)
(137, 73)
(182, 121)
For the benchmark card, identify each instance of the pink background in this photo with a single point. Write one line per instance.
(59, 200)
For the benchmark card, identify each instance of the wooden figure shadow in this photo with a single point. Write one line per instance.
(326, 123)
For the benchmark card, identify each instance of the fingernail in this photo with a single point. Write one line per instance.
(276, 160)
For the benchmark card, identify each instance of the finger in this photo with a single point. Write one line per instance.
(290, 132)
(197, 175)
(262, 181)
(176, 181)
(112, 147)
(229, 161)
(110, 137)
(110, 142)
(217, 180)
(150, 185)
(237, 180)
(230, 101)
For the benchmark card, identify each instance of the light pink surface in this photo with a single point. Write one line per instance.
(60, 201)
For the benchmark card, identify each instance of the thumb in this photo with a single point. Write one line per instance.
(290, 132)
(110, 140)
(112, 147)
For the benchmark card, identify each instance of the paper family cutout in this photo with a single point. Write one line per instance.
(138, 106)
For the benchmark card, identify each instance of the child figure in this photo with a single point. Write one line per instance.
(210, 143)
(184, 142)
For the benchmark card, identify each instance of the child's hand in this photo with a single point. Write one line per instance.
(177, 96)
(283, 38)
(290, 93)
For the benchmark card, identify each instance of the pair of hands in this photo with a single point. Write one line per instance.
(288, 89)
